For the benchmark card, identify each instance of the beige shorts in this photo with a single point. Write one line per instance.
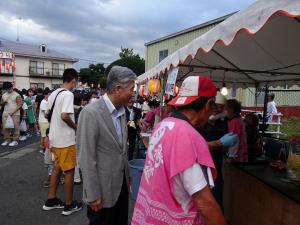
(43, 128)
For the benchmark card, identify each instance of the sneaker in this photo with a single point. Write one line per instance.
(28, 135)
(13, 143)
(38, 133)
(5, 143)
(74, 207)
(77, 182)
(53, 203)
(22, 138)
(42, 151)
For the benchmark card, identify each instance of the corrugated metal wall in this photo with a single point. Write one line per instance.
(172, 44)
(247, 96)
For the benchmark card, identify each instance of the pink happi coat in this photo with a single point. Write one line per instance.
(174, 147)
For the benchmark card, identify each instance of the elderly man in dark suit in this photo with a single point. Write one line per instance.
(133, 114)
(102, 145)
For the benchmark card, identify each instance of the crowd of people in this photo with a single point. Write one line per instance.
(89, 139)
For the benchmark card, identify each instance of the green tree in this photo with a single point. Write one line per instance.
(126, 52)
(95, 74)
(130, 60)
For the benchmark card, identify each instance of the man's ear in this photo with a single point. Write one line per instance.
(209, 106)
(118, 89)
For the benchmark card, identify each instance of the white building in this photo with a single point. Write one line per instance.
(32, 66)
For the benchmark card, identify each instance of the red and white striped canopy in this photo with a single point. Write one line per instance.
(257, 45)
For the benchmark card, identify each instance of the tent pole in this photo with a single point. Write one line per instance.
(256, 95)
(265, 109)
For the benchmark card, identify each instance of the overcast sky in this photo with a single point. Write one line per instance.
(96, 29)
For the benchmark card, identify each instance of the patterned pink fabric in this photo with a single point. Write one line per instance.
(174, 146)
(237, 126)
(150, 117)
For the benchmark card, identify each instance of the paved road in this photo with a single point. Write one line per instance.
(6, 149)
(22, 194)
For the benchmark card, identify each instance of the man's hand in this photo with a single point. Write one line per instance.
(96, 205)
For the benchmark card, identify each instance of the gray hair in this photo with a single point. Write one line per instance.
(119, 75)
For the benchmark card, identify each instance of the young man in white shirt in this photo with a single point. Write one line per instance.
(271, 107)
(62, 140)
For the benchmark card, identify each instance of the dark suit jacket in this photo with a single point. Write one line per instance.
(137, 115)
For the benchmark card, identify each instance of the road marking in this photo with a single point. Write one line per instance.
(19, 152)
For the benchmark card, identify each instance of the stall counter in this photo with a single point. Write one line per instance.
(256, 194)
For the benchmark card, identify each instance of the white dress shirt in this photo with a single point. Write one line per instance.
(116, 116)
(131, 115)
(271, 109)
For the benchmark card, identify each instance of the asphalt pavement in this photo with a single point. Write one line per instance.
(22, 194)
(7, 149)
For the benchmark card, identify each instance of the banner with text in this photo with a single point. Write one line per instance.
(172, 76)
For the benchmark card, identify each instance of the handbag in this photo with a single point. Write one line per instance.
(49, 115)
(9, 124)
(23, 126)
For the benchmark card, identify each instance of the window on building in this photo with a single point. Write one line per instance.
(55, 86)
(43, 48)
(35, 86)
(6, 66)
(58, 69)
(163, 54)
(36, 68)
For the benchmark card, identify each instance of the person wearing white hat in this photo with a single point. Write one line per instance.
(179, 170)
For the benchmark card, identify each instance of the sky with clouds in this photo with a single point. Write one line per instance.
(96, 29)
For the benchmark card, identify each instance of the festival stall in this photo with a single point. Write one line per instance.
(255, 47)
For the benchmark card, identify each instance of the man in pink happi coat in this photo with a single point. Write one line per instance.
(179, 170)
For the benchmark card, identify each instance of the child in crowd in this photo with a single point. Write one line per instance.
(31, 119)
(43, 122)
(236, 125)
(48, 158)
(23, 130)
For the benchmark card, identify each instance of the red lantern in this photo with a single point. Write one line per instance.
(13, 64)
(141, 91)
(7, 66)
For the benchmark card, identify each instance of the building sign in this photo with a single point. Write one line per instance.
(7, 63)
(172, 76)
(6, 55)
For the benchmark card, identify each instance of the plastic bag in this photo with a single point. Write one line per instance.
(9, 124)
(23, 126)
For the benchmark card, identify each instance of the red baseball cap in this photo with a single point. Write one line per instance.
(192, 88)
